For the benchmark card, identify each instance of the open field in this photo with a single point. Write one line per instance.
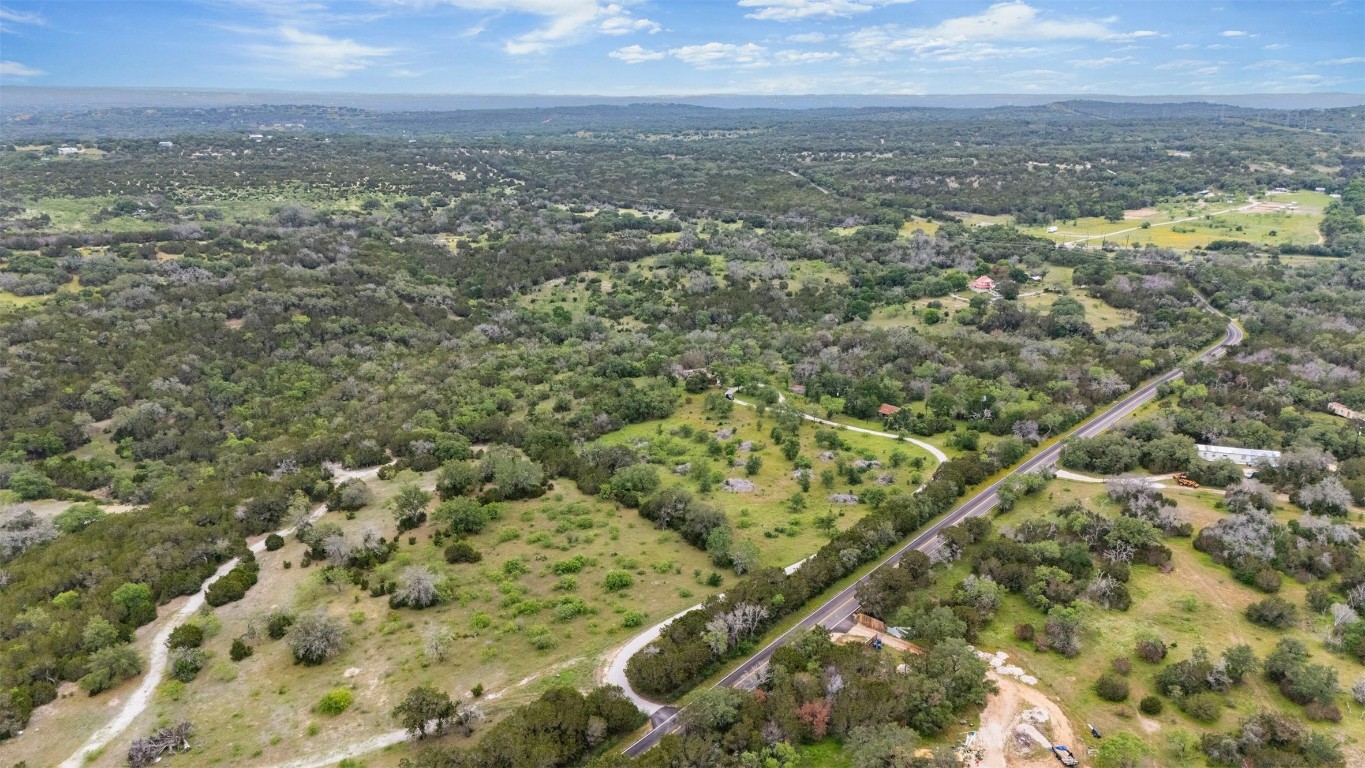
(1035, 295)
(261, 708)
(764, 515)
(1269, 222)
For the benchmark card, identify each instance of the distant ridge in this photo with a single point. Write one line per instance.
(41, 99)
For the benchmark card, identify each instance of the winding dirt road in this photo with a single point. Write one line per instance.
(159, 653)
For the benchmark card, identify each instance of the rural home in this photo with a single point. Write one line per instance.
(887, 409)
(1247, 457)
(982, 284)
(165, 144)
(1344, 412)
(68, 151)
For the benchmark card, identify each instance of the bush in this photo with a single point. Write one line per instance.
(1111, 687)
(1151, 650)
(240, 650)
(1326, 713)
(462, 552)
(1024, 632)
(1204, 707)
(273, 542)
(1150, 705)
(1121, 665)
(278, 623)
(618, 580)
(633, 619)
(1273, 612)
(186, 636)
(316, 637)
(335, 701)
(1267, 580)
(185, 663)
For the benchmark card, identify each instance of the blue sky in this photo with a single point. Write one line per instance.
(678, 47)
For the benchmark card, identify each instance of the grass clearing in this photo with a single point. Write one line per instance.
(764, 515)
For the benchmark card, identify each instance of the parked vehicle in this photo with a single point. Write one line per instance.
(1064, 755)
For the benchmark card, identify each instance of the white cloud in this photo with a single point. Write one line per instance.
(805, 57)
(566, 21)
(809, 37)
(15, 69)
(1120, 37)
(794, 10)
(1108, 61)
(295, 52)
(1274, 46)
(634, 54)
(978, 36)
(21, 17)
(620, 22)
(1342, 62)
(1186, 46)
(1233, 33)
(721, 55)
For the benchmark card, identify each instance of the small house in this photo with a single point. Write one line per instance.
(887, 409)
(1050, 230)
(165, 144)
(982, 284)
(68, 151)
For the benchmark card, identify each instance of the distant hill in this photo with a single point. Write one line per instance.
(32, 98)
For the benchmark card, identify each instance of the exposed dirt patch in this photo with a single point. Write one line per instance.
(1001, 716)
(1140, 213)
(235, 323)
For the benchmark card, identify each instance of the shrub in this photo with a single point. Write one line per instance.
(185, 663)
(633, 619)
(1204, 707)
(1267, 580)
(1150, 705)
(618, 580)
(335, 701)
(240, 650)
(462, 552)
(273, 542)
(316, 637)
(1121, 665)
(1111, 687)
(1327, 713)
(1273, 612)
(186, 636)
(278, 623)
(1151, 650)
(1024, 632)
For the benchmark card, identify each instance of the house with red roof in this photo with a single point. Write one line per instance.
(982, 284)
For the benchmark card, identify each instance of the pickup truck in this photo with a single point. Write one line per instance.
(1064, 755)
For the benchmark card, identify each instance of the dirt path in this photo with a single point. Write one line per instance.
(998, 719)
(156, 668)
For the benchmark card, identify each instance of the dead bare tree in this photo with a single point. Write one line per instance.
(144, 752)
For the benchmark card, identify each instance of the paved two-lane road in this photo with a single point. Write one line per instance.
(842, 605)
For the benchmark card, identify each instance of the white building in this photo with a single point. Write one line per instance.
(1247, 457)
(68, 151)
(165, 144)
